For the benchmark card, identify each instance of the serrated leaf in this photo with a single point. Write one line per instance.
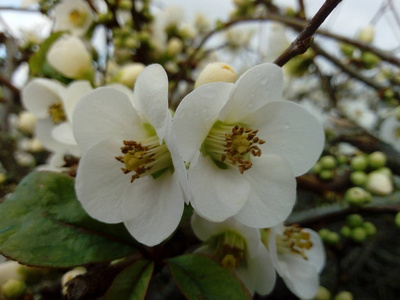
(132, 282)
(43, 224)
(200, 277)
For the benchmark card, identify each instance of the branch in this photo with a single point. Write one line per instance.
(302, 42)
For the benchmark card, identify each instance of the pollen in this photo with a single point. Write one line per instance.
(57, 113)
(77, 17)
(141, 158)
(294, 240)
(233, 145)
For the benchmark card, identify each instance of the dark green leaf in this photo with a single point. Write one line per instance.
(200, 277)
(132, 282)
(43, 224)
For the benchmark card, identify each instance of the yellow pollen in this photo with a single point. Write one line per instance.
(77, 17)
(294, 240)
(57, 113)
(229, 261)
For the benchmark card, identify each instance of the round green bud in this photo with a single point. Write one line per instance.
(388, 94)
(370, 60)
(359, 163)
(377, 160)
(125, 4)
(347, 49)
(397, 219)
(345, 231)
(13, 288)
(326, 174)
(3, 178)
(357, 196)
(354, 220)
(370, 228)
(323, 233)
(131, 42)
(342, 159)
(344, 296)
(358, 234)
(358, 178)
(333, 238)
(317, 168)
(322, 294)
(328, 162)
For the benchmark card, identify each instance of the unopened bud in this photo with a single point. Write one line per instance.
(377, 160)
(13, 288)
(326, 174)
(358, 178)
(379, 184)
(344, 296)
(69, 276)
(359, 163)
(354, 220)
(397, 219)
(322, 294)
(128, 74)
(345, 231)
(174, 46)
(357, 196)
(27, 122)
(358, 234)
(369, 228)
(216, 72)
(366, 35)
(328, 162)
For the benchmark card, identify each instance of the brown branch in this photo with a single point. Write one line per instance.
(302, 42)
(12, 87)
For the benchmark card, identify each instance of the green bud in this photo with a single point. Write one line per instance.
(388, 94)
(317, 168)
(326, 174)
(359, 163)
(322, 294)
(3, 178)
(397, 219)
(370, 60)
(342, 159)
(358, 234)
(333, 238)
(345, 231)
(323, 233)
(358, 178)
(131, 42)
(377, 160)
(327, 162)
(347, 49)
(357, 196)
(344, 296)
(370, 228)
(354, 220)
(125, 4)
(13, 288)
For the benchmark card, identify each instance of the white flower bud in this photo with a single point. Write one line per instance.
(128, 74)
(367, 34)
(174, 46)
(379, 184)
(69, 276)
(36, 145)
(9, 270)
(27, 122)
(216, 72)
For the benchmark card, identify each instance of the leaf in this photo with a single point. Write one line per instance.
(132, 282)
(43, 224)
(200, 277)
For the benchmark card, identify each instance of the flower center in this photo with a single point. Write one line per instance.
(77, 17)
(145, 157)
(57, 113)
(294, 240)
(230, 248)
(232, 145)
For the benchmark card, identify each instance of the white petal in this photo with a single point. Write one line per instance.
(262, 271)
(388, 131)
(62, 16)
(63, 134)
(150, 97)
(105, 113)
(258, 86)
(73, 93)
(289, 131)
(316, 255)
(272, 195)
(100, 184)
(196, 114)
(217, 194)
(40, 94)
(164, 203)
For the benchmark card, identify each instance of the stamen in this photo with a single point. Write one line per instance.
(57, 113)
(233, 145)
(77, 17)
(146, 157)
(294, 240)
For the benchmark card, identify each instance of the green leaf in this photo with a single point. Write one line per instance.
(132, 282)
(43, 224)
(200, 277)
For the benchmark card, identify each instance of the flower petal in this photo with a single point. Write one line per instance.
(272, 195)
(100, 184)
(40, 94)
(63, 134)
(289, 131)
(258, 86)
(163, 200)
(105, 113)
(196, 114)
(73, 93)
(217, 194)
(150, 99)
(316, 255)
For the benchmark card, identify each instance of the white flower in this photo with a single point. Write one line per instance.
(298, 256)
(359, 112)
(245, 146)
(390, 131)
(69, 56)
(74, 16)
(131, 170)
(238, 248)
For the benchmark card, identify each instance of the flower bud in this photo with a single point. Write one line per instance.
(316, 168)
(397, 219)
(354, 220)
(359, 163)
(68, 276)
(322, 294)
(379, 184)
(377, 160)
(27, 122)
(370, 60)
(344, 296)
(358, 234)
(358, 178)
(13, 288)
(328, 162)
(35, 145)
(216, 72)
(332, 238)
(366, 35)
(3, 178)
(386, 171)
(345, 231)
(357, 196)
(347, 49)
(369, 228)
(326, 174)
(174, 46)
(128, 74)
